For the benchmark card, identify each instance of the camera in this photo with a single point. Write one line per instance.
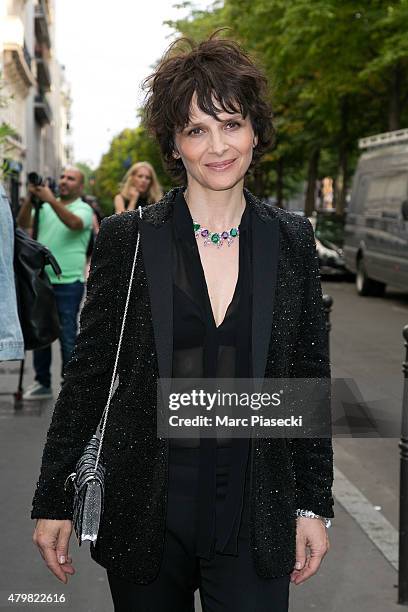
(35, 179)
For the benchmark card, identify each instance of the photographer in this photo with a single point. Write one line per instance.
(64, 226)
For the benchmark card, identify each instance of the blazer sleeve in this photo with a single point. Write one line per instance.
(87, 376)
(312, 458)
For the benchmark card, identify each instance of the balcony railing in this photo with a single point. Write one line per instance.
(43, 73)
(42, 31)
(42, 110)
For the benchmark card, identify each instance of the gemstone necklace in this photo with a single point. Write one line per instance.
(216, 238)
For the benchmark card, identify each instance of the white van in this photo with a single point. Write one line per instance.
(376, 229)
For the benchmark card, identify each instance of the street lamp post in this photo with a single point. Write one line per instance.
(403, 509)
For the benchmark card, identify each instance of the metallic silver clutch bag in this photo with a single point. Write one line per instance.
(89, 484)
(89, 477)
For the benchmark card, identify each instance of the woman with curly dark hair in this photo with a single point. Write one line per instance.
(226, 286)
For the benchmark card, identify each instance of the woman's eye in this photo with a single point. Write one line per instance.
(194, 131)
(232, 124)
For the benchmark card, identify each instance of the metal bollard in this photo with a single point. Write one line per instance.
(403, 509)
(327, 305)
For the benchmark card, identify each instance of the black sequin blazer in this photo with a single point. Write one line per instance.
(288, 339)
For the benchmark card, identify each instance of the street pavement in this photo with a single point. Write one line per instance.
(356, 575)
(367, 347)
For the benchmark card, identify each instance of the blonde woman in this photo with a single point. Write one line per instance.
(140, 186)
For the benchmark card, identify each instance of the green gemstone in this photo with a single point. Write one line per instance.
(215, 238)
(234, 232)
(196, 226)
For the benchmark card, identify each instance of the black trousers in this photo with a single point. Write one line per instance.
(227, 583)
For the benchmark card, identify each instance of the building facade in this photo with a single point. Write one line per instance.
(35, 99)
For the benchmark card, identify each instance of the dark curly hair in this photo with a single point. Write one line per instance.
(224, 79)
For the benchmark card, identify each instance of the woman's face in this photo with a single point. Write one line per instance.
(141, 179)
(216, 154)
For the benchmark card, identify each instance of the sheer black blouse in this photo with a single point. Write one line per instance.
(203, 350)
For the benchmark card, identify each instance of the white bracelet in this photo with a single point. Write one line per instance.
(309, 514)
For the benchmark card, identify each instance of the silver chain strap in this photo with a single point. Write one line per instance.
(106, 409)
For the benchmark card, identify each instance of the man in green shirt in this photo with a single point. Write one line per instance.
(64, 226)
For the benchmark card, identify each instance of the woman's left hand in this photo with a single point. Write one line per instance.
(310, 532)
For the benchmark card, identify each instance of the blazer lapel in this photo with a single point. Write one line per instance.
(157, 257)
(265, 252)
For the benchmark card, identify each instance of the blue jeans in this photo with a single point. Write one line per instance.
(11, 337)
(68, 297)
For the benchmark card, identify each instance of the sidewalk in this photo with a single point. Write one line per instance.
(354, 577)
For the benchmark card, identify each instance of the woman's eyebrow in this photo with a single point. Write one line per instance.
(230, 117)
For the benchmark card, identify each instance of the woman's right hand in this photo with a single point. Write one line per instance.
(52, 538)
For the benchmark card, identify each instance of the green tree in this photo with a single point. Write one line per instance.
(330, 54)
(5, 129)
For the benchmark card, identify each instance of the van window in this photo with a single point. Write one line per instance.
(397, 186)
(395, 194)
(374, 203)
(359, 193)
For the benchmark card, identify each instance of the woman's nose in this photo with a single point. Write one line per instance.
(218, 144)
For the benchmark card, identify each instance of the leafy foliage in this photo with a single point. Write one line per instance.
(5, 129)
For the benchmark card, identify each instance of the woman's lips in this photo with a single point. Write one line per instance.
(221, 165)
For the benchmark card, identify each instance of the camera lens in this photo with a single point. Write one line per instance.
(35, 179)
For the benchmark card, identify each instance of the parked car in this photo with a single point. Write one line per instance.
(329, 236)
(376, 231)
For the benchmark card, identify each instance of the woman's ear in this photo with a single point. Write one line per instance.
(175, 152)
(255, 141)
